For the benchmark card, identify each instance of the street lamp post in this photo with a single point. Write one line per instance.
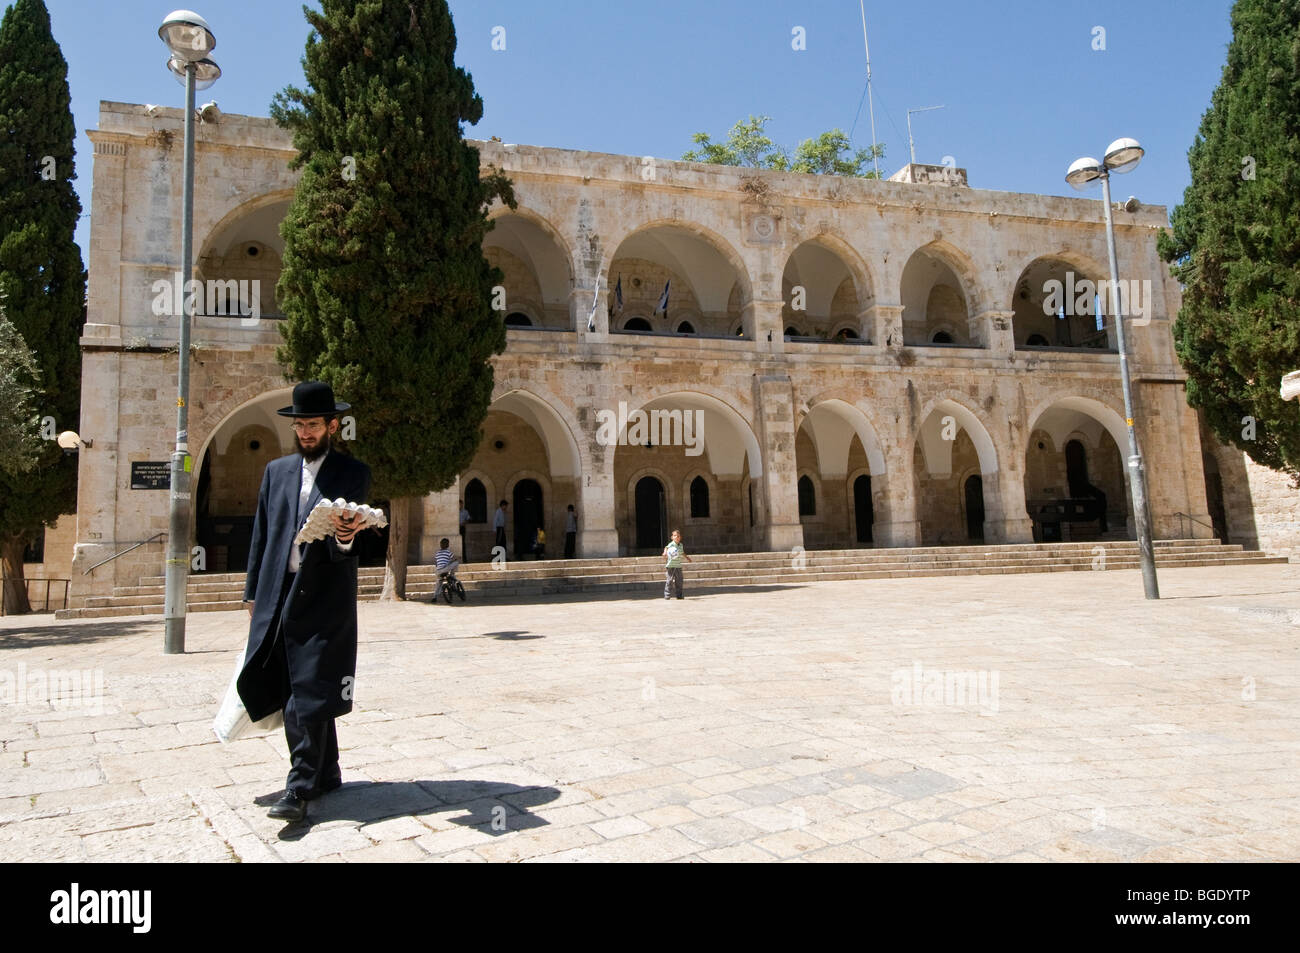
(189, 39)
(1122, 155)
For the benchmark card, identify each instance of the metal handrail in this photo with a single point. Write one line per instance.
(86, 572)
(1182, 516)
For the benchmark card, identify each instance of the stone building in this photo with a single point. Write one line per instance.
(841, 363)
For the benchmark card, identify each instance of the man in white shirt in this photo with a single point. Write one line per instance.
(499, 524)
(570, 533)
(463, 519)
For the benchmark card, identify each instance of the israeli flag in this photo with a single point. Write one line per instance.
(663, 300)
(618, 294)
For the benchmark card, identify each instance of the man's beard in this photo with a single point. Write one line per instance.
(321, 448)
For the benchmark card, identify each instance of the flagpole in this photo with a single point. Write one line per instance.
(595, 298)
(871, 105)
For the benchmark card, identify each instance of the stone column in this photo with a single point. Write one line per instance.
(769, 332)
(1005, 518)
(866, 325)
(992, 330)
(887, 325)
(774, 426)
(894, 497)
(595, 491)
(441, 518)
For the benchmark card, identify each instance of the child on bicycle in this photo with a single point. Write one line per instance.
(446, 563)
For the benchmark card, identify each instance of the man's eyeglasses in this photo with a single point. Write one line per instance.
(300, 427)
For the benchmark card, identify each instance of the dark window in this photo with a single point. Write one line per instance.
(686, 328)
(941, 337)
(636, 324)
(517, 319)
(793, 332)
(699, 498)
(846, 334)
(476, 501)
(1037, 340)
(807, 497)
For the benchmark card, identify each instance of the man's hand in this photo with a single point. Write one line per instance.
(345, 528)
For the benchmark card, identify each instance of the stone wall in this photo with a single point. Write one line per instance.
(776, 410)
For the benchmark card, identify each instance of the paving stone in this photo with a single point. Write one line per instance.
(752, 747)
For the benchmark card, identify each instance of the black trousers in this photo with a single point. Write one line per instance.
(570, 544)
(313, 745)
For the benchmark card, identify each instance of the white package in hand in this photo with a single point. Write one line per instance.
(319, 524)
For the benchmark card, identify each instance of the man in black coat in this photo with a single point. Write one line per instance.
(302, 600)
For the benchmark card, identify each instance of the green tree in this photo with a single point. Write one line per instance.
(42, 279)
(20, 442)
(1235, 242)
(749, 145)
(385, 289)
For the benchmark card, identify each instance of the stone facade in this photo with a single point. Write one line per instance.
(821, 330)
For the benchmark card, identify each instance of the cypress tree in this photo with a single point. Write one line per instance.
(42, 281)
(386, 292)
(1235, 243)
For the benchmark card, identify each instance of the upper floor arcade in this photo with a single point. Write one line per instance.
(614, 252)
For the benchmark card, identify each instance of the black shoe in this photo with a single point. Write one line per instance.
(289, 808)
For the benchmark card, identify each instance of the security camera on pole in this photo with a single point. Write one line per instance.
(1123, 155)
(189, 39)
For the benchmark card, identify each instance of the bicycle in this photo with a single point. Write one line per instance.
(451, 584)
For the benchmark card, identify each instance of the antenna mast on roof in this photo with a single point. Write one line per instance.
(871, 106)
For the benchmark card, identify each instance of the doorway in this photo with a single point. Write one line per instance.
(863, 514)
(529, 515)
(651, 514)
(975, 507)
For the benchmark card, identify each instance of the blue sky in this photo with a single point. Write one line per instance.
(1024, 91)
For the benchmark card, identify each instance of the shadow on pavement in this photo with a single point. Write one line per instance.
(650, 591)
(73, 633)
(496, 807)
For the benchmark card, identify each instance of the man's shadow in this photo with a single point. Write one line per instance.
(495, 807)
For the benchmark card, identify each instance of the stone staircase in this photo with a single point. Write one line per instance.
(523, 580)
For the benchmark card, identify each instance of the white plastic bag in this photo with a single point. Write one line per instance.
(232, 721)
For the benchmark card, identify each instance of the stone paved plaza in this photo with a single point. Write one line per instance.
(1031, 717)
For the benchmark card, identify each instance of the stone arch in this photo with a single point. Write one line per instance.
(703, 399)
(864, 281)
(1029, 296)
(1073, 416)
(854, 419)
(930, 435)
(547, 280)
(820, 265)
(963, 267)
(683, 249)
(224, 484)
(552, 420)
(241, 211)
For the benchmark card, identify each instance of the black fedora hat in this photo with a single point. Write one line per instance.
(313, 399)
